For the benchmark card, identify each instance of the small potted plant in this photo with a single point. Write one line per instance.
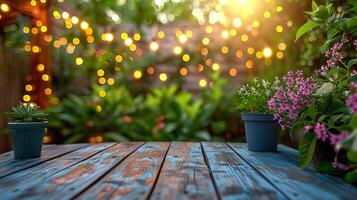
(27, 125)
(261, 129)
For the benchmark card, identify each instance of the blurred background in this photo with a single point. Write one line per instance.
(158, 70)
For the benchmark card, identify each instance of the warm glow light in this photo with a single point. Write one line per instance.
(183, 38)
(250, 50)
(279, 28)
(208, 29)
(110, 81)
(267, 52)
(163, 77)
(183, 71)
(215, 66)
(4, 7)
(225, 34)
(232, 72)
(244, 37)
(205, 41)
(239, 53)
(118, 58)
(26, 98)
(280, 55)
(161, 34)
(202, 83)
(256, 23)
(128, 41)
(124, 36)
(102, 80)
(79, 61)
(36, 49)
(186, 57)
(137, 37)
(237, 22)
(28, 88)
(48, 91)
(100, 72)
(84, 25)
(137, 74)
(107, 37)
(224, 49)
(45, 77)
(26, 29)
(249, 64)
(150, 70)
(282, 46)
(40, 67)
(56, 14)
(65, 15)
(43, 29)
(76, 41)
(75, 20)
(177, 50)
(204, 51)
(267, 14)
(102, 93)
(154, 46)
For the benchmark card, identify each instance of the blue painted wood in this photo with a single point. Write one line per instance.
(285, 174)
(184, 174)
(134, 178)
(23, 183)
(12, 166)
(235, 179)
(5, 157)
(80, 176)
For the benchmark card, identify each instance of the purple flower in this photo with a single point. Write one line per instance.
(334, 56)
(351, 101)
(341, 166)
(308, 128)
(336, 138)
(292, 97)
(321, 131)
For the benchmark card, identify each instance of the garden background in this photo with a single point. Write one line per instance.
(156, 70)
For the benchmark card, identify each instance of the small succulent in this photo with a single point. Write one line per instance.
(26, 112)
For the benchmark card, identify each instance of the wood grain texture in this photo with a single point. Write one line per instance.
(24, 184)
(184, 174)
(294, 182)
(133, 178)
(77, 178)
(5, 157)
(11, 166)
(234, 178)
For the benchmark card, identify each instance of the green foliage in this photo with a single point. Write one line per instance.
(254, 96)
(25, 112)
(306, 149)
(164, 114)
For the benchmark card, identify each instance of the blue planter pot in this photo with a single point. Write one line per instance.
(261, 132)
(27, 139)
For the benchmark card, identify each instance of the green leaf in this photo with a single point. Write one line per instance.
(306, 149)
(352, 156)
(309, 25)
(314, 5)
(351, 177)
(352, 62)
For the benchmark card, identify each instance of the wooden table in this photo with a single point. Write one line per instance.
(163, 170)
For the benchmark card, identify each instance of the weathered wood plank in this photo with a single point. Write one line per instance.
(80, 176)
(234, 178)
(184, 174)
(11, 166)
(5, 157)
(134, 177)
(295, 183)
(20, 185)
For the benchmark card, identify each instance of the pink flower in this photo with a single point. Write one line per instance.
(351, 101)
(336, 138)
(308, 128)
(292, 97)
(321, 131)
(341, 166)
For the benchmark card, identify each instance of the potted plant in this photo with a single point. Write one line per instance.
(27, 125)
(260, 127)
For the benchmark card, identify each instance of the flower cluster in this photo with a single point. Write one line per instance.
(324, 135)
(253, 96)
(292, 97)
(334, 56)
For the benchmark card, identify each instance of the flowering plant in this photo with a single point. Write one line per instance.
(325, 105)
(253, 97)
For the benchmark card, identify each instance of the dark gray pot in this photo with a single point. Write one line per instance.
(27, 139)
(261, 132)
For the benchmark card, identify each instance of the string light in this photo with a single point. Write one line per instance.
(154, 46)
(4, 7)
(75, 20)
(202, 83)
(267, 52)
(237, 22)
(84, 25)
(215, 66)
(100, 72)
(163, 77)
(150, 70)
(65, 15)
(110, 81)
(186, 57)
(40, 67)
(161, 34)
(232, 72)
(79, 61)
(205, 41)
(177, 50)
(118, 58)
(183, 71)
(137, 37)
(26, 98)
(282, 46)
(183, 38)
(137, 74)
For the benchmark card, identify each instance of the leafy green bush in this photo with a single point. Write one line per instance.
(25, 112)
(166, 113)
